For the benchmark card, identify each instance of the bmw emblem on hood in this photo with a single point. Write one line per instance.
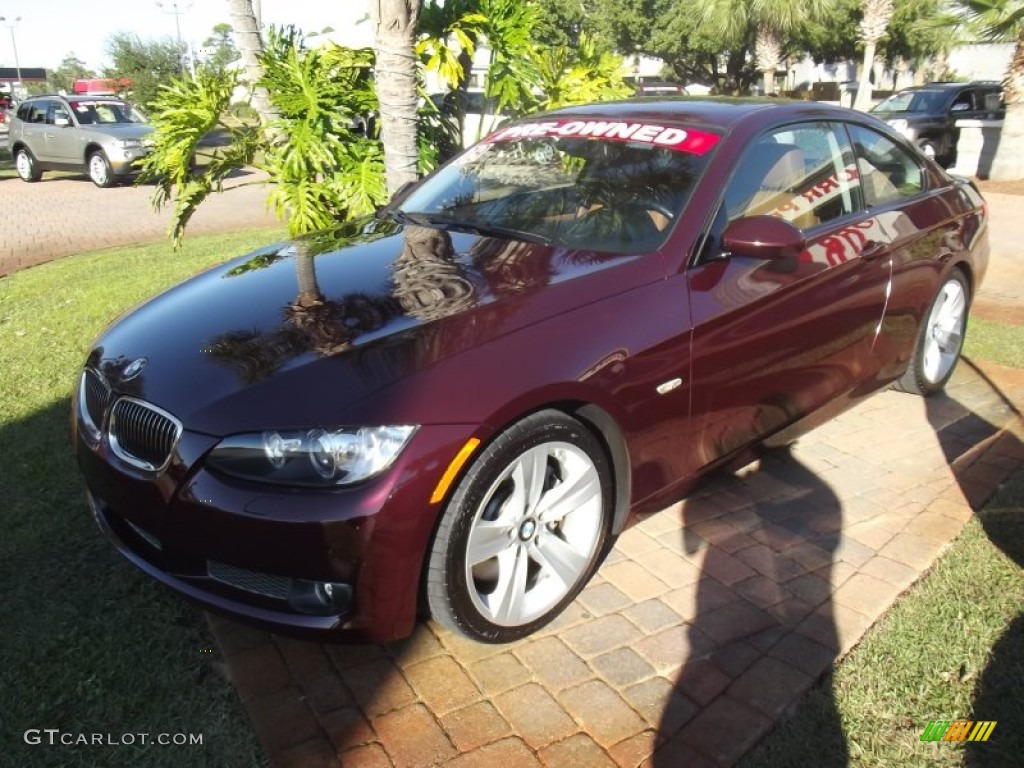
(134, 368)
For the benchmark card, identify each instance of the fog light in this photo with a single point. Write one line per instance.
(320, 597)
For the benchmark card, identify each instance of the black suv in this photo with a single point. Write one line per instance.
(927, 114)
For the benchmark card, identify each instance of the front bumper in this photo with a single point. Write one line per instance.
(257, 552)
(126, 161)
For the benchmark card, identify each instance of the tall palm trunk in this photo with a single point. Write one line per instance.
(768, 54)
(250, 46)
(1008, 164)
(395, 31)
(875, 23)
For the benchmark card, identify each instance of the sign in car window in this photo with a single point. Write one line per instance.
(683, 139)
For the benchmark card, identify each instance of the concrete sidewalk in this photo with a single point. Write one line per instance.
(708, 620)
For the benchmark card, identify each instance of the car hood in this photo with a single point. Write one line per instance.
(294, 334)
(120, 130)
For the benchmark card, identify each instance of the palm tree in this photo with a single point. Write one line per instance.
(250, 48)
(773, 20)
(1003, 20)
(395, 31)
(873, 25)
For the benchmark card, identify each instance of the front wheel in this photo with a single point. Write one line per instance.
(523, 531)
(26, 166)
(100, 172)
(940, 340)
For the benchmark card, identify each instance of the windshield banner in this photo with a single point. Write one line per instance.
(682, 139)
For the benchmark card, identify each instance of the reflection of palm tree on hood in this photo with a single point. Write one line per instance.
(428, 282)
(328, 326)
(510, 266)
(313, 324)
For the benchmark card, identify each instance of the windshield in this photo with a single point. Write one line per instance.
(913, 101)
(600, 186)
(106, 112)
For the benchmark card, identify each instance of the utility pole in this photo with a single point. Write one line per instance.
(11, 23)
(177, 12)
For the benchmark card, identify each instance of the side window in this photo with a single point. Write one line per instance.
(964, 102)
(56, 110)
(37, 112)
(887, 171)
(24, 113)
(803, 173)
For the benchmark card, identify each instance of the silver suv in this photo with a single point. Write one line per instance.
(101, 135)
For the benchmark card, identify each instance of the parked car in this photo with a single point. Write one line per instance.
(104, 137)
(655, 86)
(927, 115)
(480, 118)
(457, 404)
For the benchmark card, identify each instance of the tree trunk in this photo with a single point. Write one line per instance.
(863, 102)
(768, 54)
(395, 31)
(1008, 164)
(250, 46)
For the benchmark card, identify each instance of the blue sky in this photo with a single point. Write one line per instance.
(51, 29)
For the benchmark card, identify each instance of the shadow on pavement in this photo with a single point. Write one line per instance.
(745, 658)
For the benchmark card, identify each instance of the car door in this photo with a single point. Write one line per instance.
(916, 229)
(775, 341)
(62, 140)
(34, 128)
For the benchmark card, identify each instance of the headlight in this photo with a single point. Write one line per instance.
(898, 125)
(317, 457)
(129, 143)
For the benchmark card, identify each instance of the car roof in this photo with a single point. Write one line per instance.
(719, 112)
(951, 86)
(74, 97)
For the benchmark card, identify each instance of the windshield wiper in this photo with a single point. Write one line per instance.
(483, 228)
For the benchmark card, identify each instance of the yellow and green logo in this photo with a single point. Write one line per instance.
(958, 730)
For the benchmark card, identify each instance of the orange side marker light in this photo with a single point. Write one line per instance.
(453, 469)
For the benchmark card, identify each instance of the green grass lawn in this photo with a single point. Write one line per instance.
(89, 645)
(996, 342)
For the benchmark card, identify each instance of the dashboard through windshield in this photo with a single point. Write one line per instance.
(601, 186)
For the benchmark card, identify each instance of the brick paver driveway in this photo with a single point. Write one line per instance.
(63, 216)
(705, 623)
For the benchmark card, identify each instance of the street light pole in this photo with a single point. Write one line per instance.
(17, 66)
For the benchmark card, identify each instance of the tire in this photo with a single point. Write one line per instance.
(99, 170)
(498, 568)
(940, 339)
(26, 166)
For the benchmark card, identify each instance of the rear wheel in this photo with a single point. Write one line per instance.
(523, 531)
(26, 165)
(100, 172)
(940, 340)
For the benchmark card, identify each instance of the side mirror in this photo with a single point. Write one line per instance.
(763, 237)
(61, 122)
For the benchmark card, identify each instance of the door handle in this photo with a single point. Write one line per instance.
(873, 250)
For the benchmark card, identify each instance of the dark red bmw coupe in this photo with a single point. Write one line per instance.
(456, 404)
